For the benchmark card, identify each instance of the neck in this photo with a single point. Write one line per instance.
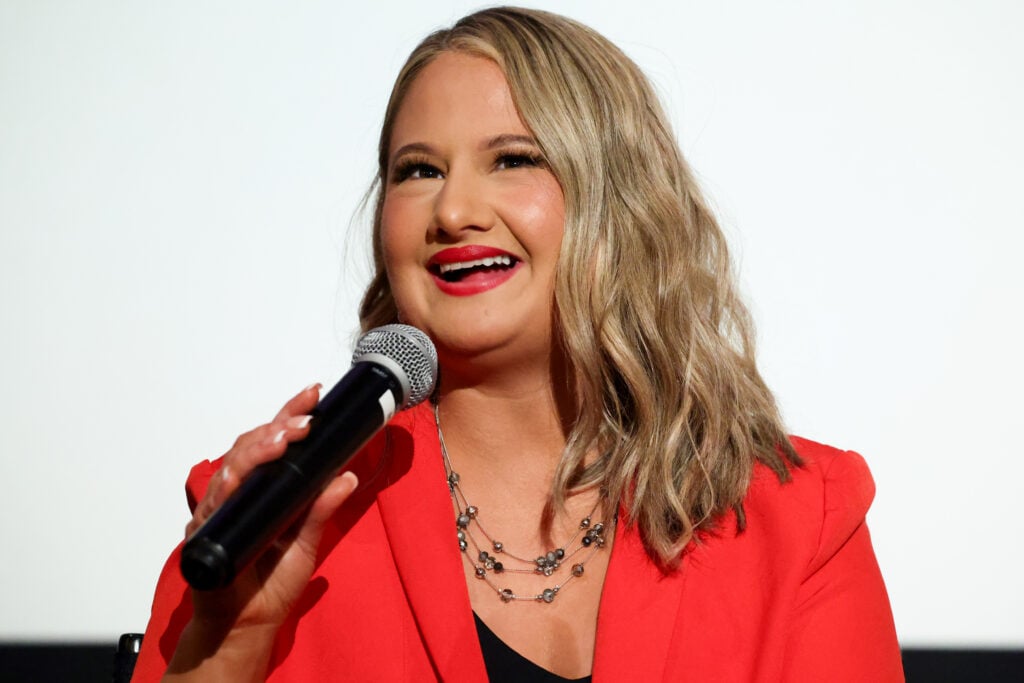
(506, 432)
(510, 419)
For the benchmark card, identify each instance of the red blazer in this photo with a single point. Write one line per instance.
(797, 596)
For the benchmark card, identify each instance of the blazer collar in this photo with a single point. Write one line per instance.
(415, 509)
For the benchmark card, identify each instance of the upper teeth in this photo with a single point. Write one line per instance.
(503, 260)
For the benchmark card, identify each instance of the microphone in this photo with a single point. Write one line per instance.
(394, 366)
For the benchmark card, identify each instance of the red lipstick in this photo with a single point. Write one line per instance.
(471, 269)
(470, 252)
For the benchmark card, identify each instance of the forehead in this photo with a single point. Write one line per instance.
(456, 96)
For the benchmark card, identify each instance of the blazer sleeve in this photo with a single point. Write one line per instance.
(842, 624)
(172, 601)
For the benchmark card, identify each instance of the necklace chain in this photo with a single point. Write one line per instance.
(487, 561)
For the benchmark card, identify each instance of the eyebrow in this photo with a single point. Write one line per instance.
(411, 147)
(507, 139)
(490, 143)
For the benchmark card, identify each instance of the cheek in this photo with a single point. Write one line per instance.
(400, 251)
(396, 244)
(542, 217)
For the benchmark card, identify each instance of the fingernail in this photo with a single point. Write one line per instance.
(279, 437)
(299, 421)
(354, 478)
(314, 385)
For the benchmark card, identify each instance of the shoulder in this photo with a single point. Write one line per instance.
(823, 503)
(793, 529)
(797, 594)
(840, 475)
(829, 478)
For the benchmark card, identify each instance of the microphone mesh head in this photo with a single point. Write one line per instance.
(410, 349)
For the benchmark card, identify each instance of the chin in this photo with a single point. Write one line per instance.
(492, 348)
(466, 342)
(481, 334)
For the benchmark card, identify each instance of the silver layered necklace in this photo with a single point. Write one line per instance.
(488, 556)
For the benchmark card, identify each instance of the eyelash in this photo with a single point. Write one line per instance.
(520, 158)
(405, 169)
(505, 160)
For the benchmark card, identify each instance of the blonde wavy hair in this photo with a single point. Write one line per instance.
(645, 297)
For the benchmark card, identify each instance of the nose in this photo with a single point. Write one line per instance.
(461, 204)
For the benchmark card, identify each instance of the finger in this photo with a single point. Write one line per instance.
(301, 403)
(274, 443)
(336, 493)
(208, 503)
(239, 462)
(259, 445)
(262, 444)
(289, 418)
(237, 465)
(325, 506)
(300, 543)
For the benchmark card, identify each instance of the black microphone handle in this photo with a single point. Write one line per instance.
(276, 492)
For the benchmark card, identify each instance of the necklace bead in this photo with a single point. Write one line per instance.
(546, 564)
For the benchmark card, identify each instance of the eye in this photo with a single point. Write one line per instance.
(507, 160)
(414, 169)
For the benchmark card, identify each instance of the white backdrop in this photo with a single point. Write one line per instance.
(177, 182)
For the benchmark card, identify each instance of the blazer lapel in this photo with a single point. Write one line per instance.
(416, 512)
(639, 613)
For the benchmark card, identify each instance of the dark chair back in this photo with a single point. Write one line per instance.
(124, 659)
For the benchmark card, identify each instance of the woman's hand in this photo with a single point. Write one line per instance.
(235, 626)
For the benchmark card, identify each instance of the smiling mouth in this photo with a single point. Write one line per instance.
(459, 271)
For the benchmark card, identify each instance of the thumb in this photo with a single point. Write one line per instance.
(328, 502)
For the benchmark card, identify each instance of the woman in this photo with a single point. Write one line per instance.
(602, 485)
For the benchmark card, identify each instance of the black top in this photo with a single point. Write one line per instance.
(505, 665)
